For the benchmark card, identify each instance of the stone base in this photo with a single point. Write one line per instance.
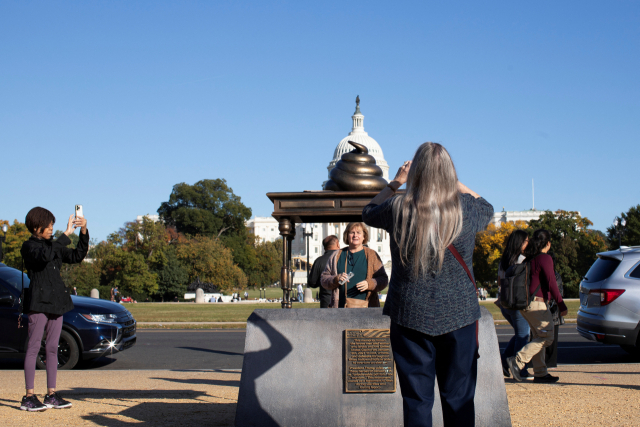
(292, 374)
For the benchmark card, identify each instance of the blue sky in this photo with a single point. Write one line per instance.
(109, 104)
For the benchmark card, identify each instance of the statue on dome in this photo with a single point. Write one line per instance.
(357, 100)
(356, 171)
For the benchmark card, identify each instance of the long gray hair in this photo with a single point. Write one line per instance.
(428, 217)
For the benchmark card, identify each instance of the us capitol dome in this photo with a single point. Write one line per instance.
(358, 135)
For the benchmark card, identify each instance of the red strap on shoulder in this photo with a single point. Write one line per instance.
(457, 255)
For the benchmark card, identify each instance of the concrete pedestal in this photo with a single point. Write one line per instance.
(95, 293)
(308, 295)
(292, 373)
(200, 296)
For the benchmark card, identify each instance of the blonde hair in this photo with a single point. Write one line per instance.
(428, 217)
(351, 226)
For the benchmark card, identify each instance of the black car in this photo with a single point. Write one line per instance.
(92, 329)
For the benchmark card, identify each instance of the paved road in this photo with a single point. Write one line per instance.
(223, 349)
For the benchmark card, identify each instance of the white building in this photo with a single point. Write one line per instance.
(154, 218)
(500, 218)
(264, 227)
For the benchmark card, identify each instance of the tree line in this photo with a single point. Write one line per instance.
(201, 236)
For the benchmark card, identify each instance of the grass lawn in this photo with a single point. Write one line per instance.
(239, 312)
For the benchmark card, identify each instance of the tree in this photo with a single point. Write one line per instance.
(84, 276)
(209, 208)
(209, 260)
(488, 251)
(631, 234)
(172, 276)
(16, 235)
(266, 269)
(573, 245)
(126, 270)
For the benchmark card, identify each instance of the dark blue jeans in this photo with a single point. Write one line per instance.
(521, 331)
(451, 358)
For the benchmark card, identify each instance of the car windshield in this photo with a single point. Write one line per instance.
(12, 277)
(602, 269)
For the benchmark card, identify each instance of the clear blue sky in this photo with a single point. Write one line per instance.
(109, 104)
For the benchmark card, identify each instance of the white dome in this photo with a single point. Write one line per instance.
(358, 135)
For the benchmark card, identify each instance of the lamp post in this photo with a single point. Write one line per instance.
(619, 224)
(2, 239)
(307, 232)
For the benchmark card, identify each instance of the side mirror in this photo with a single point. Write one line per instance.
(6, 300)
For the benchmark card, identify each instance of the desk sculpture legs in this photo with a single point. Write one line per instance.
(288, 232)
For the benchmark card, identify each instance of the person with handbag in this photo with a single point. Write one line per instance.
(432, 299)
(354, 274)
(47, 298)
(543, 287)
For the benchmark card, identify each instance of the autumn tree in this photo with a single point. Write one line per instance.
(17, 234)
(488, 251)
(630, 232)
(209, 260)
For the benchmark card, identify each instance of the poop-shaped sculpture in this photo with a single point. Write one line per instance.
(356, 171)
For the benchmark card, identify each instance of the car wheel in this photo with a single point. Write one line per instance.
(68, 353)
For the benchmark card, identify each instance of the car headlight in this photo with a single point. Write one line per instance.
(100, 318)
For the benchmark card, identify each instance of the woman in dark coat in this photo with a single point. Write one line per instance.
(47, 298)
(431, 301)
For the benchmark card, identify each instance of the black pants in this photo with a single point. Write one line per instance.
(325, 297)
(451, 358)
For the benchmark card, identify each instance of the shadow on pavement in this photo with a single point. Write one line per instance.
(81, 393)
(208, 350)
(170, 414)
(232, 383)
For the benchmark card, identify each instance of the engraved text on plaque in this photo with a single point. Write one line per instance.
(369, 366)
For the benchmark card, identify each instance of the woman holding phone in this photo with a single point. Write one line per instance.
(47, 298)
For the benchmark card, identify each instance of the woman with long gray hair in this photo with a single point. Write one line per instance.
(431, 301)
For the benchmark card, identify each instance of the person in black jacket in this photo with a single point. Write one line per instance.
(47, 298)
(330, 244)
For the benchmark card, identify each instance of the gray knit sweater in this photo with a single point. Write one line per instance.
(438, 302)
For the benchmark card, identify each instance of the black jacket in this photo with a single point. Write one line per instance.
(314, 278)
(47, 292)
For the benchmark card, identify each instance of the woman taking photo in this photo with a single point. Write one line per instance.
(432, 303)
(513, 254)
(543, 287)
(48, 298)
(368, 274)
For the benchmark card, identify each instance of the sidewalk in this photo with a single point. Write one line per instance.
(588, 395)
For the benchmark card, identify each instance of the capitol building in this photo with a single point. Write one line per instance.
(266, 228)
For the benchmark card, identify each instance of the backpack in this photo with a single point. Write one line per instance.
(514, 289)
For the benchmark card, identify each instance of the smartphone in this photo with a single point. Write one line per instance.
(79, 213)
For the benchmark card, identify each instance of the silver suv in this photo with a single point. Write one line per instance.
(610, 299)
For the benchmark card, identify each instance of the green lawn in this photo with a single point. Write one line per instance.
(239, 312)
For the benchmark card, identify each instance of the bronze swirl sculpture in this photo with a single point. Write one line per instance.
(356, 171)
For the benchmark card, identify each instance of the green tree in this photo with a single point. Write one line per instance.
(209, 208)
(84, 276)
(126, 270)
(209, 260)
(631, 230)
(573, 245)
(173, 277)
(266, 269)
(16, 235)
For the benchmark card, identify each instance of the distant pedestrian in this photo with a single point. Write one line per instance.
(330, 244)
(432, 303)
(113, 295)
(300, 293)
(543, 287)
(75, 291)
(116, 294)
(47, 298)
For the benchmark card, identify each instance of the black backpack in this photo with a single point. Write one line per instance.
(514, 289)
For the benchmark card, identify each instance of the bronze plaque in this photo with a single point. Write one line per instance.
(369, 366)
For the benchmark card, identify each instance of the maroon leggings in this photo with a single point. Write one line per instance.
(37, 323)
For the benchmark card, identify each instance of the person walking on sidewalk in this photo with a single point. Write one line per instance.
(433, 306)
(513, 254)
(543, 287)
(47, 298)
